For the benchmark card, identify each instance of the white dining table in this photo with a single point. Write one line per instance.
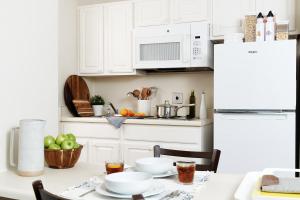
(218, 187)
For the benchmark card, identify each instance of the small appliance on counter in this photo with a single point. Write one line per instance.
(30, 147)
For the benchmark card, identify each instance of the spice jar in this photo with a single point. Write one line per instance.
(282, 30)
(250, 28)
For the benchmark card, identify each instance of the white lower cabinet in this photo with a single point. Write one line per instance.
(103, 150)
(102, 141)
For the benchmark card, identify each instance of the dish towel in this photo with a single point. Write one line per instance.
(116, 121)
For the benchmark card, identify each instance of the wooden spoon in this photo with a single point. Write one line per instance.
(144, 93)
(136, 93)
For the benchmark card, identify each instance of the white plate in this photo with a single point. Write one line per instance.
(167, 174)
(156, 189)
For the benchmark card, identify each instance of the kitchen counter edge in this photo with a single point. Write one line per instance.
(166, 122)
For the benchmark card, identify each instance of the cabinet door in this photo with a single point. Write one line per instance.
(118, 25)
(151, 12)
(91, 40)
(283, 9)
(134, 151)
(228, 15)
(84, 155)
(102, 150)
(189, 10)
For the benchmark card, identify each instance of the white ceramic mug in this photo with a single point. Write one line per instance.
(144, 106)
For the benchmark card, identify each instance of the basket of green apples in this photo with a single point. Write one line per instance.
(61, 152)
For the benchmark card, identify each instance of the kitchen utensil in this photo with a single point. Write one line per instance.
(128, 182)
(75, 89)
(30, 147)
(148, 93)
(113, 107)
(153, 92)
(135, 93)
(167, 110)
(155, 189)
(144, 94)
(154, 165)
(62, 159)
(171, 195)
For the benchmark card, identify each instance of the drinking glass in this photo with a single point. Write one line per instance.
(186, 171)
(114, 166)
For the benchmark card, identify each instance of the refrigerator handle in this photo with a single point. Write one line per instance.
(254, 116)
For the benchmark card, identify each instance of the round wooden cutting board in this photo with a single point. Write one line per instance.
(75, 89)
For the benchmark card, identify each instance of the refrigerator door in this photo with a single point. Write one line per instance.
(255, 76)
(252, 142)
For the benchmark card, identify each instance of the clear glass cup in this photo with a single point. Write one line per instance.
(186, 171)
(114, 166)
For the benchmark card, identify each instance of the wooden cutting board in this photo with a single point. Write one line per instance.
(75, 89)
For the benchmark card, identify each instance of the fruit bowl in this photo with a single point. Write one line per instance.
(62, 159)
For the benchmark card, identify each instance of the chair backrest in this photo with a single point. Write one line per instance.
(213, 157)
(42, 194)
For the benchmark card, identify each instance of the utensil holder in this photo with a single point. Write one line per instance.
(144, 106)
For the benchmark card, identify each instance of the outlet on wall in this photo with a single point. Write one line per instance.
(177, 98)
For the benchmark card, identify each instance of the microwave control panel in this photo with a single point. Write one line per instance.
(196, 47)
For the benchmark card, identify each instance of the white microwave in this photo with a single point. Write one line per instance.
(184, 45)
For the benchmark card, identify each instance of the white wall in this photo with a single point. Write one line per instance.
(114, 89)
(298, 16)
(28, 66)
(67, 59)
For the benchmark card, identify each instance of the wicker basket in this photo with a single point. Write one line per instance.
(62, 159)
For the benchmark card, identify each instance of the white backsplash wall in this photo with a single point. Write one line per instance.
(114, 89)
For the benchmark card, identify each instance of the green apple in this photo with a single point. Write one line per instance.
(60, 138)
(76, 145)
(48, 140)
(70, 136)
(67, 144)
(54, 147)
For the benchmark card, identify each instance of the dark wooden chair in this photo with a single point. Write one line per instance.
(42, 194)
(213, 157)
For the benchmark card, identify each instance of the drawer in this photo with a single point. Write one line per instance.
(169, 134)
(93, 130)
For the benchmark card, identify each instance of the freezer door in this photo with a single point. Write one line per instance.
(260, 76)
(250, 142)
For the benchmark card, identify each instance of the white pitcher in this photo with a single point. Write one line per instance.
(30, 147)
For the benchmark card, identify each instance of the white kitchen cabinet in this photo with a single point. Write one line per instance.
(136, 150)
(103, 150)
(282, 9)
(118, 25)
(102, 141)
(151, 12)
(228, 15)
(91, 39)
(190, 10)
(84, 155)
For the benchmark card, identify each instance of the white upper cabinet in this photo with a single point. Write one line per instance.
(91, 40)
(228, 15)
(151, 12)
(189, 10)
(118, 25)
(282, 9)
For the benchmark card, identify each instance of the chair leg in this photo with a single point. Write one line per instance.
(37, 186)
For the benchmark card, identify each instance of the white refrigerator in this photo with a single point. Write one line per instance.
(255, 103)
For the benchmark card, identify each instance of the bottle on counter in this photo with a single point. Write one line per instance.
(270, 27)
(260, 28)
(203, 110)
(192, 108)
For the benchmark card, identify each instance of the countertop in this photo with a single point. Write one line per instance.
(219, 186)
(150, 121)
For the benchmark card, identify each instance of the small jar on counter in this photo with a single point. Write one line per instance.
(282, 30)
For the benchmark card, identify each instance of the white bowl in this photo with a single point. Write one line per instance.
(128, 182)
(154, 165)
